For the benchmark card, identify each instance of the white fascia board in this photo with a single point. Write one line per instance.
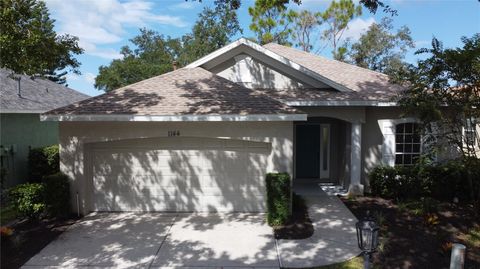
(14, 111)
(341, 103)
(271, 54)
(176, 118)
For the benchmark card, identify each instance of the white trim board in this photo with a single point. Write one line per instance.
(176, 118)
(17, 111)
(271, 54)
(341, 103)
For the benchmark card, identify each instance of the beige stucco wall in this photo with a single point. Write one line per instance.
(372, 136)
(75, 138)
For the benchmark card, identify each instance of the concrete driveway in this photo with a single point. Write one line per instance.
(160, 240)
(154, 240)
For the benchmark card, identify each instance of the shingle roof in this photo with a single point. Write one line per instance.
(36, 95)
(369, 84)
(194, 91)
(300, 95)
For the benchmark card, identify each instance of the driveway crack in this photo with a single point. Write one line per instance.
(165, 238)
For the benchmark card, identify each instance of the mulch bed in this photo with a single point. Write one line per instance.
(28, 238)
(409, 241)
(299, 226)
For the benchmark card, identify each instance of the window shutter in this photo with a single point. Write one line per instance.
(388, 147)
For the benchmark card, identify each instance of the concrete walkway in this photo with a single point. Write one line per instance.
(160, 240)
(334, 239)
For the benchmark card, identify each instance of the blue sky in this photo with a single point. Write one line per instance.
(104, 26)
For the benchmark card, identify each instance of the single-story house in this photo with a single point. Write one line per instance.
(202, 138)
(22, 99)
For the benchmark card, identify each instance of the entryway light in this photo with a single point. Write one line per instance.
(367, 236)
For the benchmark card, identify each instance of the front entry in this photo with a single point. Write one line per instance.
(313, 151)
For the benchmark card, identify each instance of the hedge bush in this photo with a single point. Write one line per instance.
(28, 199)
(57, 195)
(279, 198)
(42, 162)
(442, 181)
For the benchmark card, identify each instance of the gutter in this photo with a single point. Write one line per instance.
(176, 118)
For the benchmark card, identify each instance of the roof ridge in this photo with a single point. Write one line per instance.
(325, 58)
(147, 79)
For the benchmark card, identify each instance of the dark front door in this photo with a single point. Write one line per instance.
(308, 151)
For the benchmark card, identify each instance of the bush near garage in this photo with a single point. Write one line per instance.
(50, 198)
(57, 195)
(279, 198)
(28, 199)
(42, 162)
(444, 181)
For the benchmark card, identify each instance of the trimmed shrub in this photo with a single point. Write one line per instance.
(383, 181)
(42, 162)
(442, 181)
(278, 198)
(28, 199)
(57, 194)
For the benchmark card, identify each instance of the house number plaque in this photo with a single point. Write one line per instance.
(174, 133)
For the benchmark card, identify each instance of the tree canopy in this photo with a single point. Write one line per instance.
(271, 22)
(443, 92)
(305, 25)
(337, 17)
(380, 49)
(29, 45)
(153, 54)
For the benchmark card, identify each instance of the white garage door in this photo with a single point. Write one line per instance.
(179, 174)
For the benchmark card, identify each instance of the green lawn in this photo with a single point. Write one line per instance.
(7, 214)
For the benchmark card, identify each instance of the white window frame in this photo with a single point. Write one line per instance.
(470, 127)
(420, 144)
(388, 129)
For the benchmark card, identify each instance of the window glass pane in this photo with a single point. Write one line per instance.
(407, 159)
(399, 148)
(398, 159)
(416, 148)
(399, 138)
(416, 138)
(408, 148)
(409, 128)
(400, 128)
(408, 138)
(325, 139)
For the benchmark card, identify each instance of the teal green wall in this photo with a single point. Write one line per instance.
(23, 131)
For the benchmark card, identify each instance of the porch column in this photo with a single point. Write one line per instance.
(356, 188)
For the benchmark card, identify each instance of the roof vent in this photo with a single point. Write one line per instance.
(175, 65)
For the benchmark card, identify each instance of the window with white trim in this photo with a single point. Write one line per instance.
(408, 143)
(469, 132)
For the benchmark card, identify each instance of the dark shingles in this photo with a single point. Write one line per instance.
(36, 95)
(186, 91)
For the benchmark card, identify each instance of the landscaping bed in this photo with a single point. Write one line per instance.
(419, 234)
(299, 225)
(28, 238)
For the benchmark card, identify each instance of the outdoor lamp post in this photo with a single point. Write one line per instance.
(367, 236)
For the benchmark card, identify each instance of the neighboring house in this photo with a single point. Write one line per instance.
(22, 99)
(202, 138)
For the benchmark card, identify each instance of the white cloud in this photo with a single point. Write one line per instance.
(86, 77)
(183, 5)
(97, 22)
(106, 53)
(357, 27)
(89, 77)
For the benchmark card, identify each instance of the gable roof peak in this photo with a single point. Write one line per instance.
(271, 46)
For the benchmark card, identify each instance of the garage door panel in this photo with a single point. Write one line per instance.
(189, 174)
